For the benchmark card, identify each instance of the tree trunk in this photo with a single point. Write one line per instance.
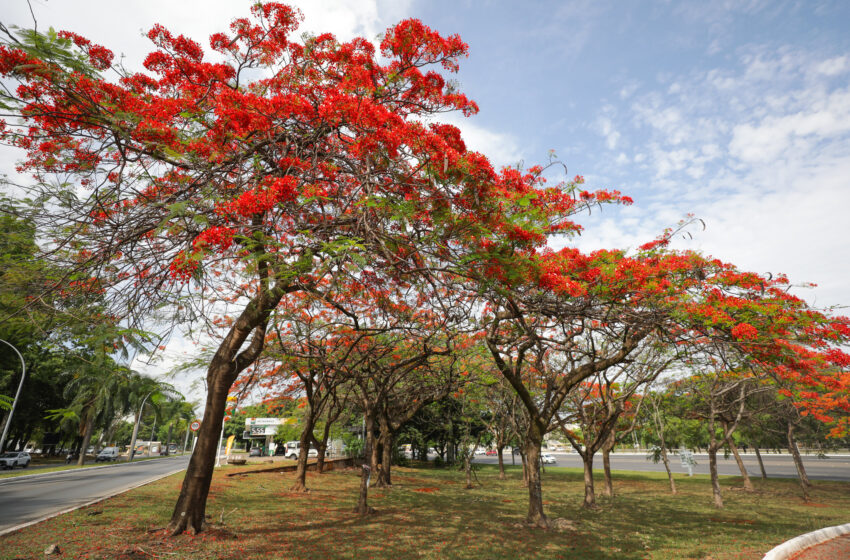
(379, 454)
(748, 485)
(300, 484)
(322, 449)
(189, 512)
(589, 492)
(86, 438)
(365, 475)
(659, 427)
(761, 464)
(386, 446)
(606, 464)
(666, 461)
(499, 451)
(712, 467)
(229, 360)
(798, 462)
(536, 516)
(467, 467)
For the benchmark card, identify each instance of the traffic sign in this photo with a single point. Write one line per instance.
(195, 425)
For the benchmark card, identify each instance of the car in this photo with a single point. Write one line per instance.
(293, 448)
(107, 454)
(548, 459)
(491, 452)
(12, 459)
(255, 452)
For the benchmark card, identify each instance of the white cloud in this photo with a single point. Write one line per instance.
(606, 128)
(761, 152)
(833, 66)
(502, 149)
(773, 135)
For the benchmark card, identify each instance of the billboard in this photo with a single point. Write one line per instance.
(261, 427)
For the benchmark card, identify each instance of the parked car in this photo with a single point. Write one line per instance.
(293, 448)
(491, 452)
(107, 454)
(548, 459)
(255, 452)
(12, 459)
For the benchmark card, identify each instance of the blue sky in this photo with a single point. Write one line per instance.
(738, 112)
(735, 111)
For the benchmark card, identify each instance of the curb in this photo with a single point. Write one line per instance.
(96, 500)
(787, 549)
(10, 479)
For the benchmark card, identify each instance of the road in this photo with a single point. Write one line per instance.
(26, 499)
(836, 467)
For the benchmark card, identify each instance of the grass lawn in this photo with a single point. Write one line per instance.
(429, 514)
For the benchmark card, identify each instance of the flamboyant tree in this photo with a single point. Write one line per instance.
(576, 315)
(719, 397)
(506, 420)
(303, 357)
(788, 348)
(605, 407)
(250, 176)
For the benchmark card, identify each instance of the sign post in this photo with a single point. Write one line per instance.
(688, 462)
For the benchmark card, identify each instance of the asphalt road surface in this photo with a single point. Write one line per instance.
(835, 467)
(26, 499)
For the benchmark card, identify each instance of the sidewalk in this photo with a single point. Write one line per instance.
(829, 543)
(835, 549)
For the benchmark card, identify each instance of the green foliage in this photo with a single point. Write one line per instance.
(353, 444)
(288, 431)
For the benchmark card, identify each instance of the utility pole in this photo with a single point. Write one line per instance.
(15, 402)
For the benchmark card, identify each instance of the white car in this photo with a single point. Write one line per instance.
(12, 459)
(293, 448)
(107, 454)
(547, 459)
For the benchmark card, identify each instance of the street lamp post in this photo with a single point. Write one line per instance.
(150, 441)
(15, 402)
(136, 428)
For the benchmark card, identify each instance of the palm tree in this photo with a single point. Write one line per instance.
(98, 394)
(148, 390)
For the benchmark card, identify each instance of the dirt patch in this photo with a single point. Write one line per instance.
(411, 479)
(427, 490)
(131, 554)
(219, 533)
